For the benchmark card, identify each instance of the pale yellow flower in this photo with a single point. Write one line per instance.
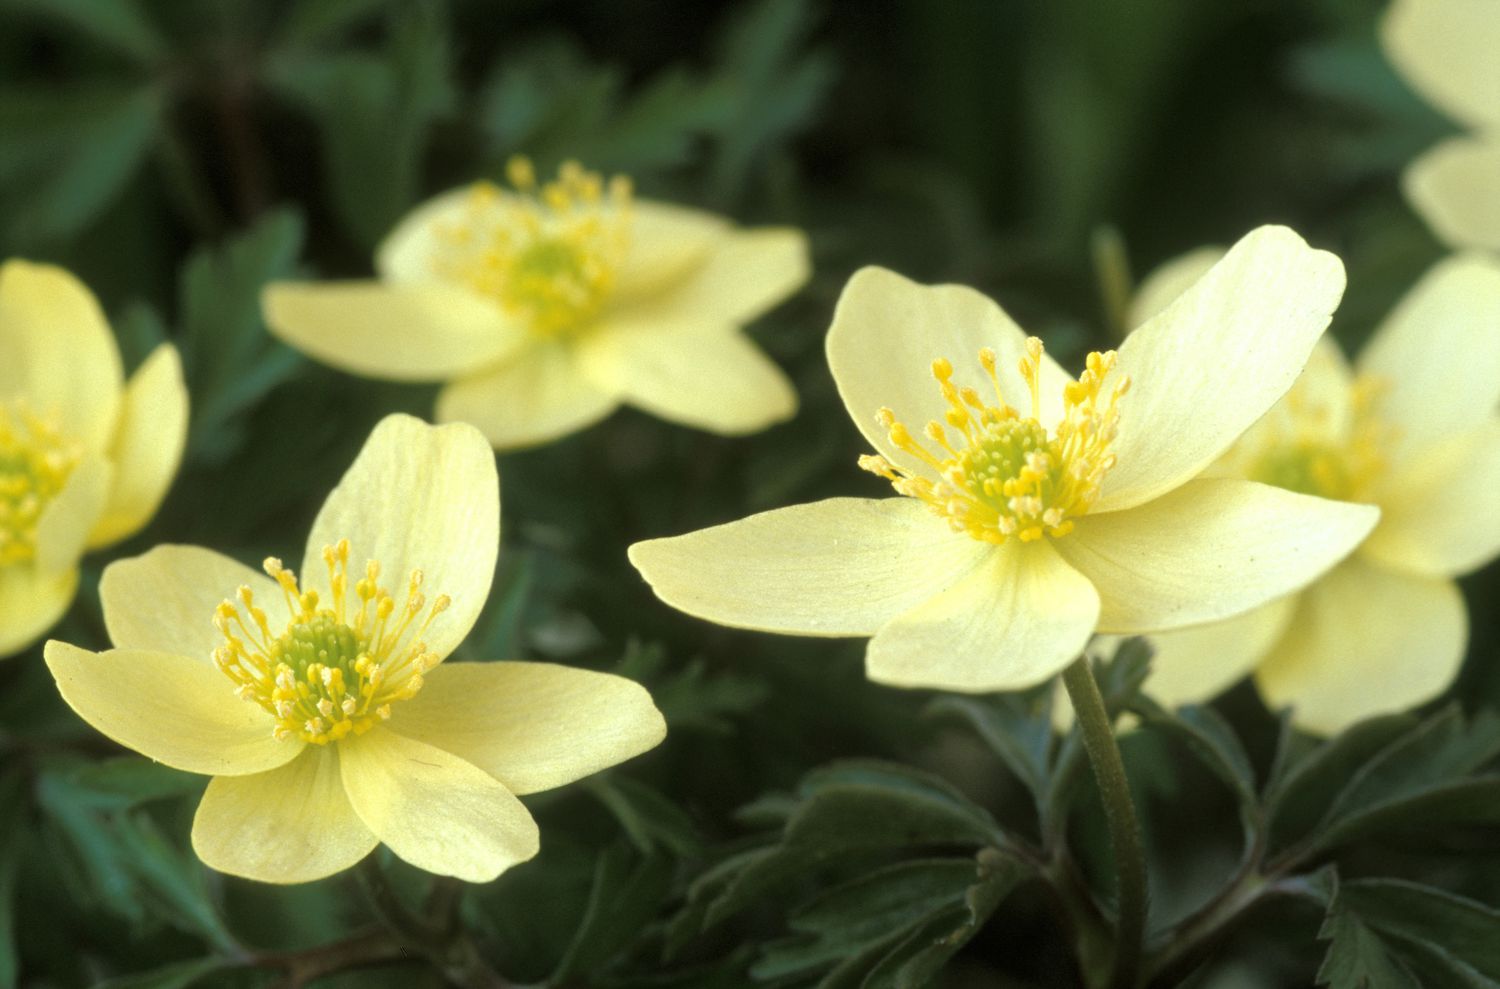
(1042, 508)
(1412, 428)
(317, 701)
(1447, 50)
(85, 456)
(546, 308)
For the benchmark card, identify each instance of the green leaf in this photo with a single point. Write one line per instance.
(374, 114)
(231, 361)
(118, 24)
(312, 22)
(650, 818)
(1358, 958)
(180, 975)
(1016, 727)
(68, 156)
(1209, 737)
(627, 893)
(126, 781)
(171, 879)
(1419, 780)
(1464, 928)
(15, 806)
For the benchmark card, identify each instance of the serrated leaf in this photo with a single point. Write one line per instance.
(1465, 929)
(1358, 958)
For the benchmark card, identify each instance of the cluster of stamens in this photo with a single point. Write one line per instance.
(35, 461)
(1297, 446)
(999, 474)
(547, 253)
(334, 670)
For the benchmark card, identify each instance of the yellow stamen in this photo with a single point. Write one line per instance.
(547, 254)
(1000, 474)
(35, 462)
(1300, 448)
(330, 673)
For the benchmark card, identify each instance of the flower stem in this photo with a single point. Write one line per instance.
(1119, 814)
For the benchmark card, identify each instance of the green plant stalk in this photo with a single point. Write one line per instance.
(1119, 814)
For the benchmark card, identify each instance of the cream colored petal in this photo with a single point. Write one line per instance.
(1195, 665)
(537, 396)
(409, 251)
(417, 497)
(1365, 642)
(433, 809)
(844, 566)
(1211, 364)
(1169, 280)
(407, 332)
(30, 604)
(708, 377)
(745, 274)
(164, 599)
(1209, 550)
(668, 245)
(1446, 50)
(886, 333)
(1442, 518)
(170, 708)
(292, 824)
(1011, 623)
(57, 351)
(1437, 356)
(532, 726)
(148, 447)
(1455, 187)
(62, 531)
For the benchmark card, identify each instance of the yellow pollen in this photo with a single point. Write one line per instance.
(995, 473)
(547, 254)
(333, 670)
(35, 461)
(1298, 447)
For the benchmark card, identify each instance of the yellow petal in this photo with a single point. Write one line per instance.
(705, 376)
(1365, 642)
(1012, 622)
(62, 531)
(844, 566)
(409, 251)
(1210, 364)
(1443, 517)
(668, 244)
(1446, 50)
(147, 448)
(433, 809)
(174, 709)
(409, 332)
(1169, 280)
(30, 604)
(164, 599)
(1211, 549)
(886, 333)
(1197, 664)
(57, 351)
(418, 497)
(532, 726)
(292, 824)
(1455, 187)
(536, 396)
(744, 274)
(1438, 357)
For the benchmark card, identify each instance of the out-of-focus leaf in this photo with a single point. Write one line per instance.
(1016, 727)
(690, 696)
(14, 807)
(119, 24)
(628, 891)
(312, 22)
(66, 156)
(650, 818)
(231, 361)
(172, 879)
(1209, 737)
(374, 114)
(125, 781)
(180, 975)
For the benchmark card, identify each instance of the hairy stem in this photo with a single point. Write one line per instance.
(1119, 815)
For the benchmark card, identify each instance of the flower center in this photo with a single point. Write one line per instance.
(547, 254)
(35, 461)
(999, 474)
(1299, 448)
(332, 671)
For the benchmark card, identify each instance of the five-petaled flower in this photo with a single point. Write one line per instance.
(1412, 428)
(85, 456)
(1449, 50)
(316, 700)
(1040, 508)
(546, 307)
